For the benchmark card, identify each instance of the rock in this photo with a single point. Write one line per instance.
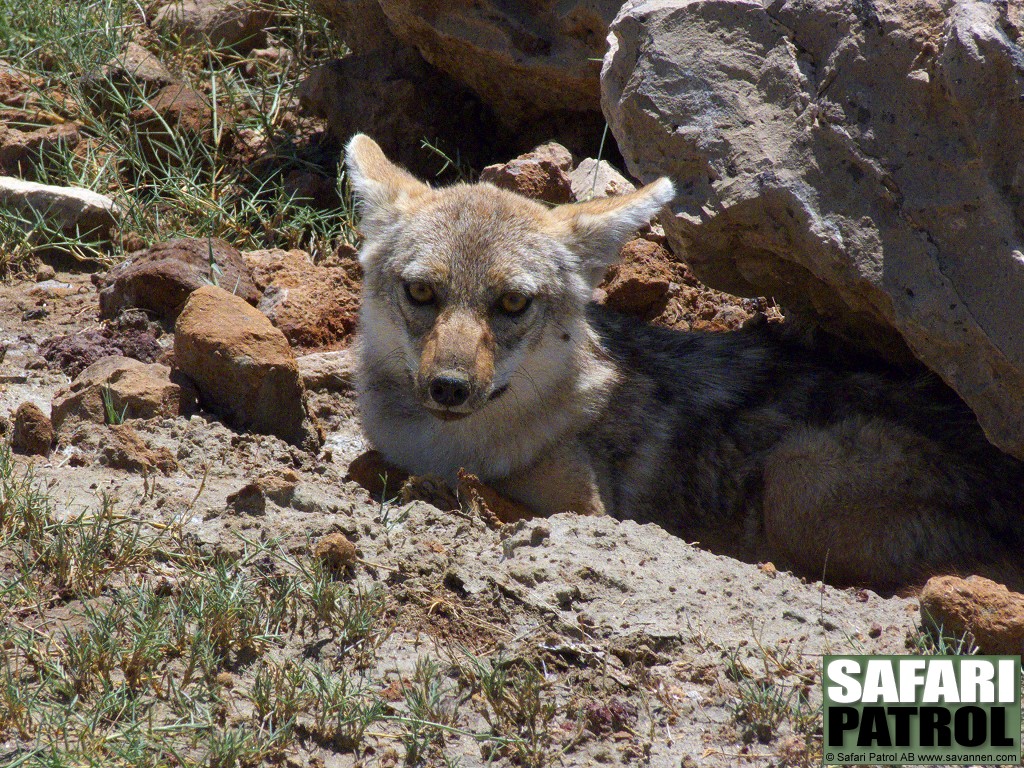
(336, 552)
(178, 115)
(19, 150)
(597, 178)
(125, 449)
(364, 93)
(331, 371)
(639, 284)
(989, 611)
(117, 446)
(313, 306)
(53, 288)
(136, 390)
(73, 353)
(542, 174)
(243, 367)
(862, 168)
(161, 278)
(278, 487)
(77, 212)
(522, 61)
(236, 24)
(360, 23)
(33, 432)
(134, 71)
(44, 273)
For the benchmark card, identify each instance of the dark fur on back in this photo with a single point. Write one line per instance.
(720, 403)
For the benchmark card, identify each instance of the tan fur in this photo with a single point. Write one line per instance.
(458, 342)
(750, 442)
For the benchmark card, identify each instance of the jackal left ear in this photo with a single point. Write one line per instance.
(381, 188)
(595, 230)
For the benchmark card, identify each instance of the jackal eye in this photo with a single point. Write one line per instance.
(419, 293)
(513, 303)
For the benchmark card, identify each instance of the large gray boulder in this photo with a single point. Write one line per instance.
(861, 162)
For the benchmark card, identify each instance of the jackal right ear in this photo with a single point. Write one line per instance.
(382, 189)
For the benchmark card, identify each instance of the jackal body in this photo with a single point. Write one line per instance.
(479, 349)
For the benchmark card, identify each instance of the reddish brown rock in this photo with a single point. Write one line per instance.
(989, 611)
(135, 390)
(639, 284)
(125, 449)
(313, 306)
(243, 367)
(178, 114)
(336, 552)
(161, 278)
(33, 432)
(19, 149)
(134, 70)
(542, 174)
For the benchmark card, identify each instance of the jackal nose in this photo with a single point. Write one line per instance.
(449, 391)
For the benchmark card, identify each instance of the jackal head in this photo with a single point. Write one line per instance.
(465, 286)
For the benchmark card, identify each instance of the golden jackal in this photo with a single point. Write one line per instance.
(479, 348)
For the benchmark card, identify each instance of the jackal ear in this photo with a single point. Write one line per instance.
(382, 189)
(595, 230)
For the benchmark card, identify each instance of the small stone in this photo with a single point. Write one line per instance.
(875, 631)
(252, 498)
(640, 283)
(132, 71)
(236, 24)
(597, 178)
(33, 432)
(336, 552)
(44, 273)
(990, 612)
(542, 174)
(125, 449)
(174, 114)
(21, 150)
